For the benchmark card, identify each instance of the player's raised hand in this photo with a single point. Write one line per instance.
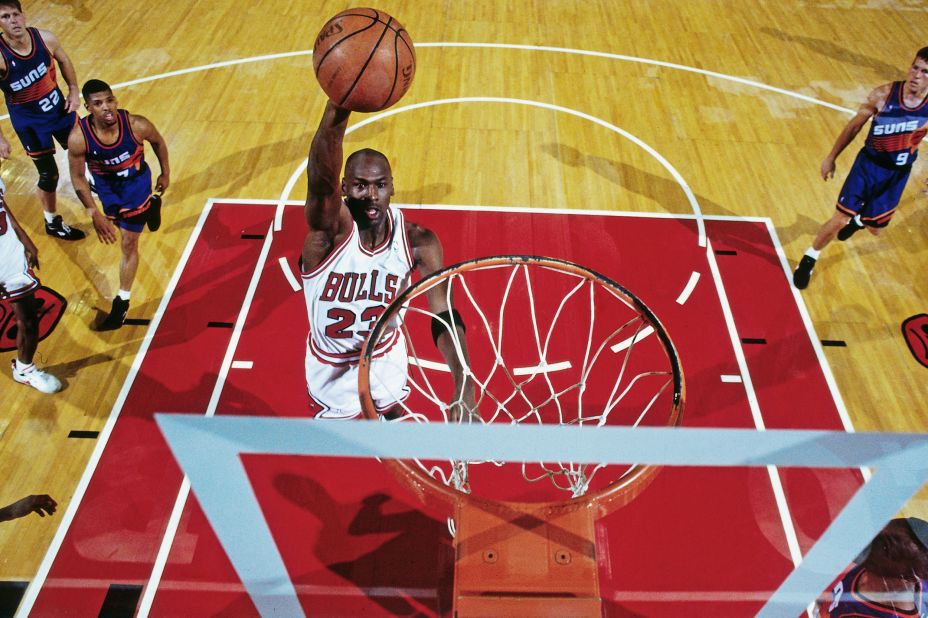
(828, 168)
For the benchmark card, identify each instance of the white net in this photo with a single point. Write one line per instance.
(547, 342)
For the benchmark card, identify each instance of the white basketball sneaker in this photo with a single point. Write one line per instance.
(36, 378)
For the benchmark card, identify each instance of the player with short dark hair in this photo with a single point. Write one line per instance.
(39, 112)
(890, 579)
(358, 256)
(18, 283)
(110, 142)
(875, 183)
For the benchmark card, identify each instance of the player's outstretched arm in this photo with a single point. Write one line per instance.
(73, 102)
(77, 161)
(323, 171)
(41, 504)
(145, 129)
(874, 103)
(430, 258)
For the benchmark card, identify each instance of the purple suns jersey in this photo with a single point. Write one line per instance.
(896, 131)
(123, 159)
(849, 602)
(29, 83)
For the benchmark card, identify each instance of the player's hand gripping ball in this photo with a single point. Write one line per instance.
(364, 60)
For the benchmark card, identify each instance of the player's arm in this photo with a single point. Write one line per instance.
(77, 161)
(323, 195)
(323, 211)
(32, 252)
(30, 504)
(144, 129)
(429, 256)
(874, 103)
(73, 102)
(5, 148)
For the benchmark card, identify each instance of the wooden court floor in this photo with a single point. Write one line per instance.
(742, 99)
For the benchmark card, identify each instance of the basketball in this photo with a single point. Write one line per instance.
(364, 60)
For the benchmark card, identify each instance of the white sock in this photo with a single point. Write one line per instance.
(812, 253)
(857, 221)
(123, 294)
(49, 216)
(23, 367)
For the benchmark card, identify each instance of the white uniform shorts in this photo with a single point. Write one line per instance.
(16, 277)
(335, 387)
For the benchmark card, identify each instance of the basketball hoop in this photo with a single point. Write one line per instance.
(549, 342)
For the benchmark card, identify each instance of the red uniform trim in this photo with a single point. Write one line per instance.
(349, 358)
(25, 291)
(902, 102)
(386, 241)
(309, 274)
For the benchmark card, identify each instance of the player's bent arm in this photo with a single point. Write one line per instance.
(323, 171)
(77, 161)
(429, 256)
(144, 129)
(67, 69)
(874, 103)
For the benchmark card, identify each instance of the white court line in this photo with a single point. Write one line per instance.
(523, 209)
(167, 540)
(541, 48)
(731, 379)
(846, 422)
(779, 495)
(285, 266)
(32, 591)
(427, 364)
(624, 345)
(545, 368)
(243, 364)
(690, 286)
(690, 196)
(38, 581)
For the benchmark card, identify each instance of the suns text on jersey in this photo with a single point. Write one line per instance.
(896, 127)
(31, 77)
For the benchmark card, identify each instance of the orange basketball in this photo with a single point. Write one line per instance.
(364, 60)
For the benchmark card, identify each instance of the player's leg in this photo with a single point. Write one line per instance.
(128, 265)
(332, 388)
(39, 145)
(826, 233)
(854, 194)
(389, 375)
(882, 207)
(27, 340)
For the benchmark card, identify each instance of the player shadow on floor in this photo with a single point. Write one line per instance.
(660, 190)
(415, 555)
(222, 178)
(833, 51)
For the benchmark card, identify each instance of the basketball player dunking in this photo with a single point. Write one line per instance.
(358, 256)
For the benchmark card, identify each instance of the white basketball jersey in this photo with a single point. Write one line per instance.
(347, 292)
(15, 275)
(11, 250)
